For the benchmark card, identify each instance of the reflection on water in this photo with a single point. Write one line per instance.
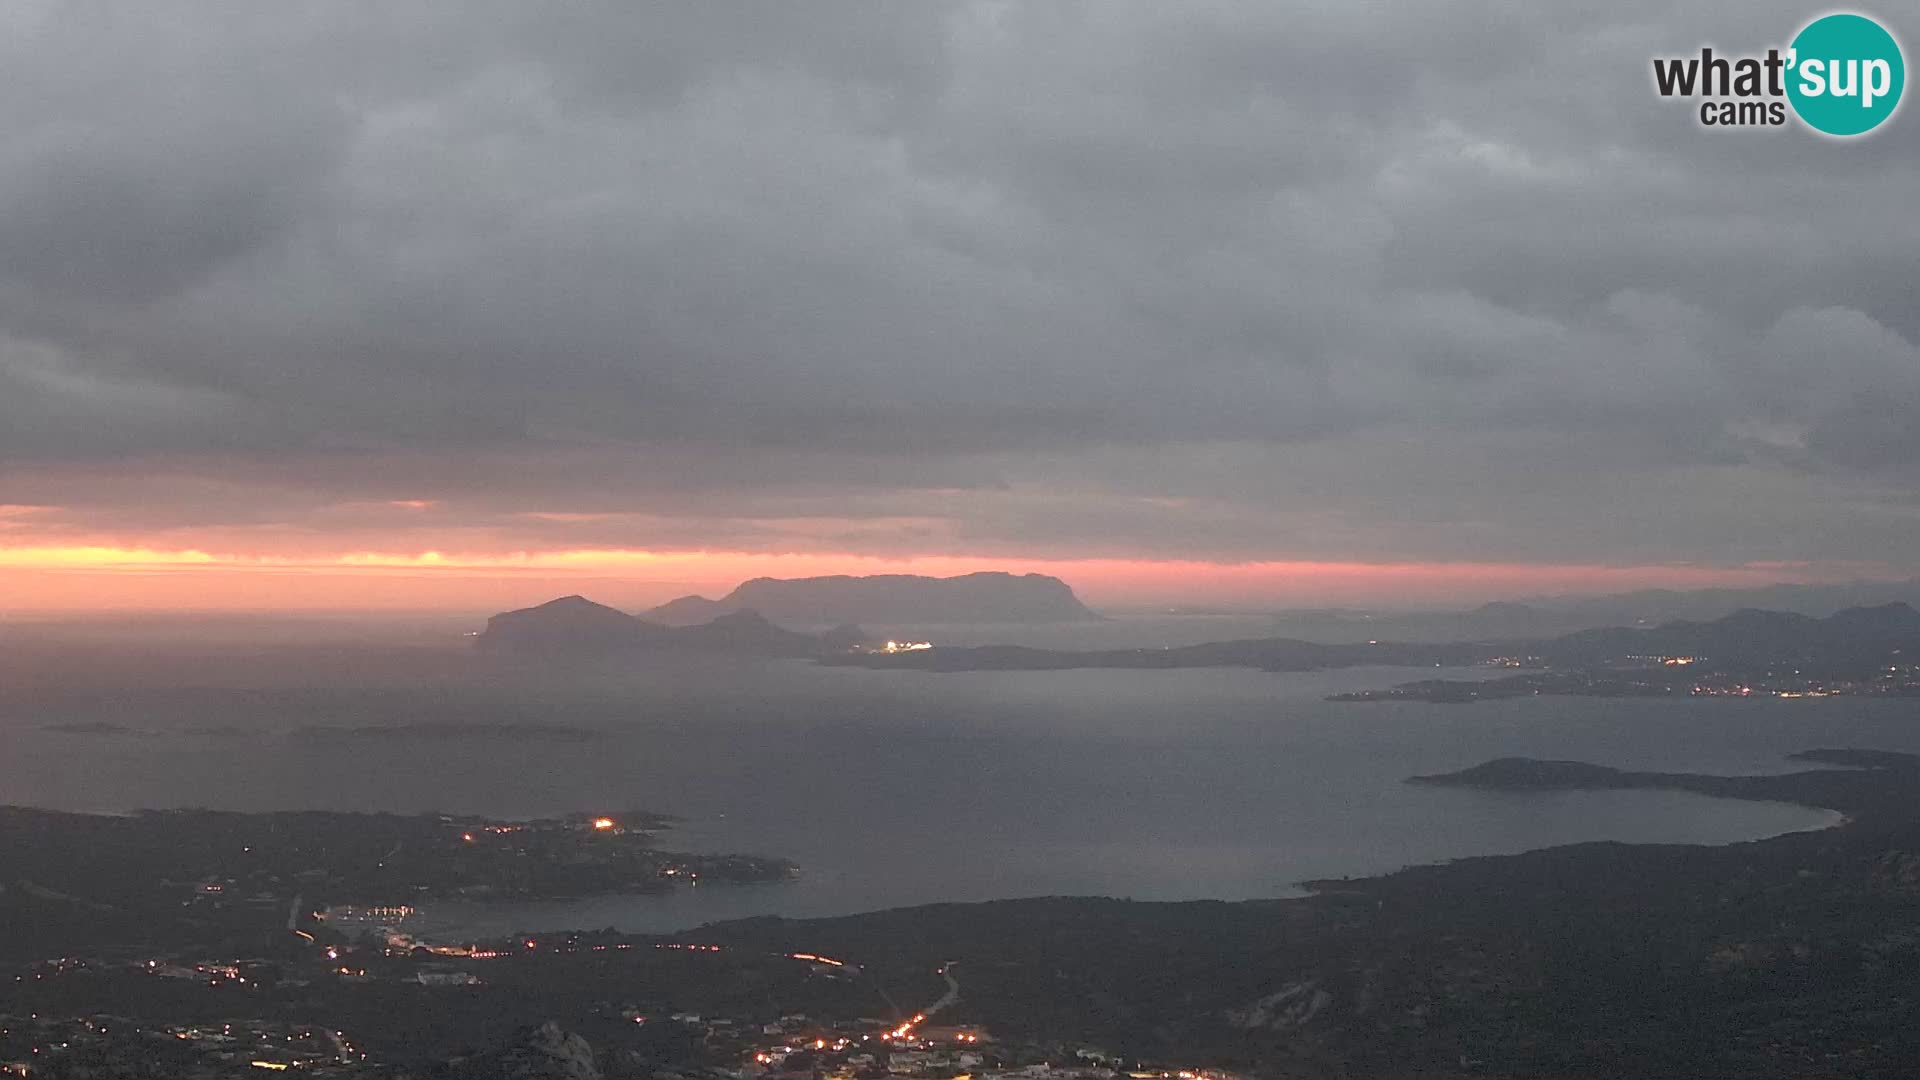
(1148, 871)
(907, 788)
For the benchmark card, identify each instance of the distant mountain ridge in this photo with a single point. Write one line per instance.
(889, 599)
(1867, 635)
(1654, 606)
(576, 626)
(1541, 617)
(1751, 636)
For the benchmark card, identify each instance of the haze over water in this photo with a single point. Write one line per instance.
(898, 788)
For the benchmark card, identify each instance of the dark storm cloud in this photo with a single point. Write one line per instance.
(1229, 279)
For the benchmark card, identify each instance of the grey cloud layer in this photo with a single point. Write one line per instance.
(717, 265)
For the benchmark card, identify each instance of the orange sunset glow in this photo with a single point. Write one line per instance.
(83, 578)
(958, 541)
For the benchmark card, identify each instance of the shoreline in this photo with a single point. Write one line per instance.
(605, 911)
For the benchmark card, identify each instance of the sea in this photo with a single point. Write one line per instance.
(887, 788)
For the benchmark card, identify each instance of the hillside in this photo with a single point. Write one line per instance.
(1854, 639)
(577, 627)
(1752, 636)
(1790, 957)
(889, 600)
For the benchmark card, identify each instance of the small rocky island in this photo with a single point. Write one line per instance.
(1873, 783)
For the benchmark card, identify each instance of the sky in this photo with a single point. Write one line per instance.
(449, 305)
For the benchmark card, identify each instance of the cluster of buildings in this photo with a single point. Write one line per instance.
(105, 1045)
(890, 647)
(1896, 680)
(253, 971)
(798, 1048)
(791, 1047)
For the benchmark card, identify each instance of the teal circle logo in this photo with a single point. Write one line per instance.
(1846, 74)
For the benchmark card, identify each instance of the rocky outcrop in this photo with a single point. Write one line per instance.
(547, 1052)
(1289, 1008)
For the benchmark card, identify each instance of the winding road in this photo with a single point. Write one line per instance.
(953, 990)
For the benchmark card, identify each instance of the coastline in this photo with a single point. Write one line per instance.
(821, 894)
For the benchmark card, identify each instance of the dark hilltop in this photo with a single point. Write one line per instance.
(889, 599)
(1848, 647)
(574, 626)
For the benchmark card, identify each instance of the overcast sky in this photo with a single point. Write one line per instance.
(1212, 282)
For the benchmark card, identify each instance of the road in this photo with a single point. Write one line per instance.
(905, 1031)
(953, 990)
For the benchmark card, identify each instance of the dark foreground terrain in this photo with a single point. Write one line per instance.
(1797, 956)
(92, 885)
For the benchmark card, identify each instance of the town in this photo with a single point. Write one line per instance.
(208, 1018)
(1660, 676)
(202, 944)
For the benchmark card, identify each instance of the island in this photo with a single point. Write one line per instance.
(889, 600)
(574, 627)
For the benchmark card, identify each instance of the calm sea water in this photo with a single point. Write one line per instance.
(906, 788)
